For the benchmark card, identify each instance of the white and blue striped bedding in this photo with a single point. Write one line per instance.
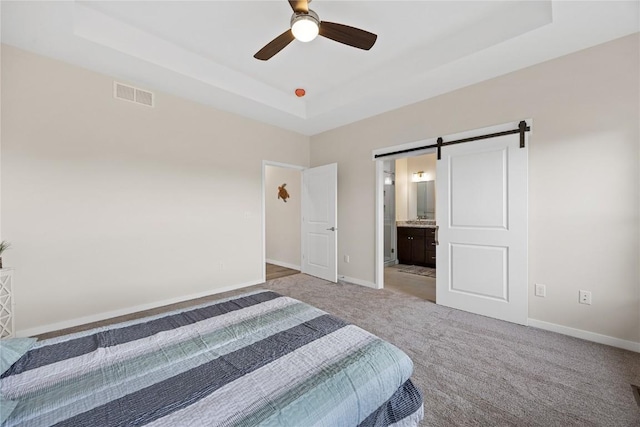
(255, 359)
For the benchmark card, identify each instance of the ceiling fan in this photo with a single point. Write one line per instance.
(306, 25)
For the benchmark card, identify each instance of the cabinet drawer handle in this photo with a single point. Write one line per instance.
(433, 244)
(433, 257)
(436, 234)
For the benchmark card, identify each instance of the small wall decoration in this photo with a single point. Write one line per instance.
(4, 245)
(283, 193)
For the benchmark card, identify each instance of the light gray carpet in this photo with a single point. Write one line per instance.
(417, 269)
(477, 371)
(473, 370)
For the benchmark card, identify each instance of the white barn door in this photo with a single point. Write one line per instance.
(320, 222)
(482, 228)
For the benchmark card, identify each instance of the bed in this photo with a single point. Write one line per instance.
(256, 359)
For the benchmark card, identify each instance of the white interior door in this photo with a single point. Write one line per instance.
(482, 220)
(320, 222)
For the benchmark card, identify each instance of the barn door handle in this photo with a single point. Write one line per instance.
(436, 235)
(331, 229)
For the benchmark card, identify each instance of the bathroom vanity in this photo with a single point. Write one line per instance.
(417, 243)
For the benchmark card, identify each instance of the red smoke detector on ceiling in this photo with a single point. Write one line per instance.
(300, 92)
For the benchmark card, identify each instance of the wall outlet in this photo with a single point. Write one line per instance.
(541, 290)
(584, 297)
(346, 259)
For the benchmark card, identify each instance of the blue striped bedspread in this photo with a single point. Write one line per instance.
(255, 359)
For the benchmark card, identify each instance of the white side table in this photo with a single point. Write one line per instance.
(6, 303)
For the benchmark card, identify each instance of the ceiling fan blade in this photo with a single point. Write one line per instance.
(299, 6)
(348, 35)
(274, 46)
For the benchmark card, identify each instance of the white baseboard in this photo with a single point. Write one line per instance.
(586, 335)
(115, 313)
(283, 264)
(359, 282)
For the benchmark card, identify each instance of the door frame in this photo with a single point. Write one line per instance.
(266, 163)
(379, 183)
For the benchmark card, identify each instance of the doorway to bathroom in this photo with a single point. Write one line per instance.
(409, 226)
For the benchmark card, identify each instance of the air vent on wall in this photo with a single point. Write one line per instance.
(132, 94)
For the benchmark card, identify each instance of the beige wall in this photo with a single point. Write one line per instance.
(282, 226)
(584, 185)
(111, 205)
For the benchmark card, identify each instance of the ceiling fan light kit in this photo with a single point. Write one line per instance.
(305, 27)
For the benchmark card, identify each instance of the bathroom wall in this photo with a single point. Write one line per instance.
(406, 199)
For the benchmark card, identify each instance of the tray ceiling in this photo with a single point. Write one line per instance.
(203, 50)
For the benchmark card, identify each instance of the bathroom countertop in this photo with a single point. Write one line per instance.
(428, 223)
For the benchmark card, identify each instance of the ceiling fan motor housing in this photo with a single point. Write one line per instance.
(314, 16)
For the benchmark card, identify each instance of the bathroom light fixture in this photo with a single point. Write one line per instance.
(420, 176)
(305, 27)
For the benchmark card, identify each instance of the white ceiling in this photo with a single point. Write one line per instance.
(203, 50)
